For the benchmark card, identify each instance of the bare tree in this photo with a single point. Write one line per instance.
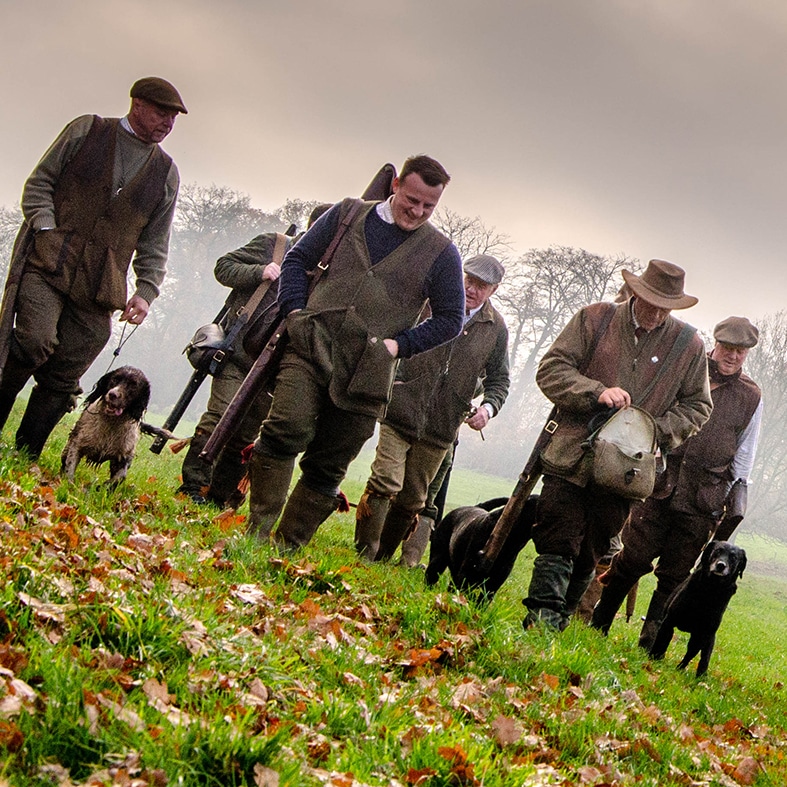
(471, 236)
(296, 211)
(767, 366)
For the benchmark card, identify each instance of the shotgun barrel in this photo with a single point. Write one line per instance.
(527, 481)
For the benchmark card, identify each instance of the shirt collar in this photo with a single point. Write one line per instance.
(384, 210)
(472, 313)
(127, 126)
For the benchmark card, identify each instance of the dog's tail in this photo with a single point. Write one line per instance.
(491, 505)
(156, 431)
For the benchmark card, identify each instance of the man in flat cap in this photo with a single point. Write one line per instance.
(701, 492)
(432, 397)
(609, 356)
(103, 193)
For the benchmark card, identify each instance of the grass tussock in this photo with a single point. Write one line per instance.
(145, 641)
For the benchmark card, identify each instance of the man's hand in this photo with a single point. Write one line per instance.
(136, 310)
(615, 397)
(392, 346)
(479, 419)
(271, 272)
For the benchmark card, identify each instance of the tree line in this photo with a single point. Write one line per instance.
(541, 290)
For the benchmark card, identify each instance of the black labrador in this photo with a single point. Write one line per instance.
(697, 605)
(462, 533)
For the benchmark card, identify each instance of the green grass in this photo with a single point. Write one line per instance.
(142, 642)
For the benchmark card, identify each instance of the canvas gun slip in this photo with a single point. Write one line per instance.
(527, 481)
(267, 364)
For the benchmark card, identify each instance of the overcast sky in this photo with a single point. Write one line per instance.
(652, 129)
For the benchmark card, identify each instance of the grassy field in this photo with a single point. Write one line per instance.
(145, 641)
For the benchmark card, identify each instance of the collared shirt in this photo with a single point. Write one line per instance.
(469, 315)
(385, 211)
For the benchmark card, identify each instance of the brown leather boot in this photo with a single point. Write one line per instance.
(414, 547)
(270, 480)
(369, 520)
(305, 511)
(398, 525)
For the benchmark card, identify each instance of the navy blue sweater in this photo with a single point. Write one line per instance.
(443, 287)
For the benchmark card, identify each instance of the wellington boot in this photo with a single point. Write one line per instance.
(305, 511)
(612, 596)
(270, 480)
(653, 619)
(44, 410)
(14, 377)
(227, 473)
(546, 599)
(398, 525)
(414, 547)
(577, 587)
(369, 520)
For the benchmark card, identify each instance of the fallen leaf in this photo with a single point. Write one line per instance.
(506, 730)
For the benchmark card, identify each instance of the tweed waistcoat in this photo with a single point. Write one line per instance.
(355, 305)
(88, 254)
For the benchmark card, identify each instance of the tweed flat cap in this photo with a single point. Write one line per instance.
(737, 331)
(158, 91)
(486, 268)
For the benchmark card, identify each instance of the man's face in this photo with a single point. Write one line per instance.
(648, 315)
(151, 122)
(413, 201)
(477, 292)
(729, 357)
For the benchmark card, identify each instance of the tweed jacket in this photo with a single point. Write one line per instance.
(680, 403)
(433, 391)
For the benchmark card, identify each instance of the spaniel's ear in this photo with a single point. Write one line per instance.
(140, 402)
(100, 388)
(742, 564)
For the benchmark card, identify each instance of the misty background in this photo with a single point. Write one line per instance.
(581, 138)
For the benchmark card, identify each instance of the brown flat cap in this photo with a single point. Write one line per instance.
(158, 91)
(737, 331)
(661, 285)
(485, 267)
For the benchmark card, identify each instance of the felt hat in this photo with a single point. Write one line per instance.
(661, 285)
(486, 268)
(737, 331)
(158, 91)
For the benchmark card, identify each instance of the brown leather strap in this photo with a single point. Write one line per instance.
(324, 263)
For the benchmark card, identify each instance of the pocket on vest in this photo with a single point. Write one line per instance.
(112, 291)
(712, 490)
(56, 250)
(365, 360)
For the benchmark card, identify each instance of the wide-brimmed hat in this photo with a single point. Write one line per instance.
(159, 91)
(661, 285)
(737, 331)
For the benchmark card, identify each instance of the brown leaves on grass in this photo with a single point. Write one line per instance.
(427, 682)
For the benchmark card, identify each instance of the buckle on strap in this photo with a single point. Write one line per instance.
(551, 426)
